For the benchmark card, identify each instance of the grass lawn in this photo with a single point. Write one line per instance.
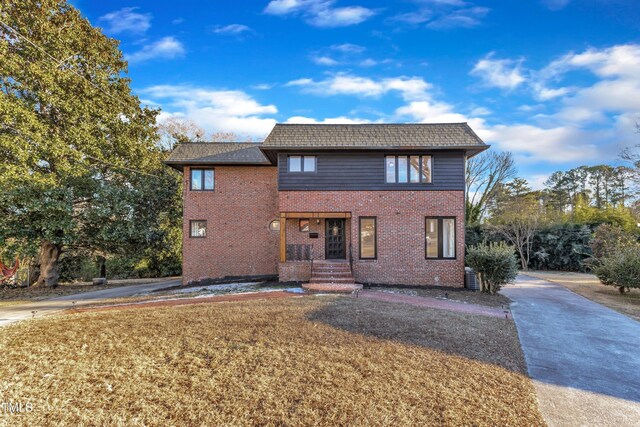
(294, 361)
(589, 286)
(453, 294)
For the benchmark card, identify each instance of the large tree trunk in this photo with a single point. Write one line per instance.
(49, 272)
(102, 266)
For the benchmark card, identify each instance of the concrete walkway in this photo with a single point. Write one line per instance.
(583, 357)
(14, 313)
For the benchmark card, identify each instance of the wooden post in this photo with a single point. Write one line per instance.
(283, 237)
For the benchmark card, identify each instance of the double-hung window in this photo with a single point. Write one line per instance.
(408, 169)
(440, 238)
(302, 163)
(202, 179)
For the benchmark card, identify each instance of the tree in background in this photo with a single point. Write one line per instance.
(517, 219)
(484, 175)
(176, 130)
(74, 140)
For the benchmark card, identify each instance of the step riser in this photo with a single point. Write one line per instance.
(333, 283)
(332, 280)
(331, 273)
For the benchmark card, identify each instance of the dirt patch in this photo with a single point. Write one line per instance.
(283, 361)
(589, 286)
(454, 294)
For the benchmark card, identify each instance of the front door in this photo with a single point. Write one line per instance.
(334, 239)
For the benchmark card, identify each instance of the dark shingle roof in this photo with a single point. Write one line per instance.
(437, 135)
(216, 153)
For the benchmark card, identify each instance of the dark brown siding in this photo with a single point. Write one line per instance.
(365, 171)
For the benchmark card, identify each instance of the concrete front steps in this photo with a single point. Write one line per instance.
(331, 276)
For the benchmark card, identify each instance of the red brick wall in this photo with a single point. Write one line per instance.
(294, 271)
(400, 231)
(238, 213)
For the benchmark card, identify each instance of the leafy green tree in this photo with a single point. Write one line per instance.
(71, 131)
(620, 269)
(495, 264)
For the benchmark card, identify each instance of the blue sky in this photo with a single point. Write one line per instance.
(556, 82)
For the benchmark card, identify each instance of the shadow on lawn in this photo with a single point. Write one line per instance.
(486, 339)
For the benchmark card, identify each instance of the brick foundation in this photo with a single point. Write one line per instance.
(294, 271)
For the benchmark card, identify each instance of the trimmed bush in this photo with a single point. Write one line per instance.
(495, 263)
(621, 268)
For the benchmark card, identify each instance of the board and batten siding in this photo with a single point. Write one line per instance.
(366, 171)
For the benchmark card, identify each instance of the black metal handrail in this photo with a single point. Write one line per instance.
(350, 258)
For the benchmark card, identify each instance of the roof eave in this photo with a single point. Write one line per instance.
(270, 149)
(180, 164)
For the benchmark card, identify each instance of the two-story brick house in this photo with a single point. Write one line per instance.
(385, 199)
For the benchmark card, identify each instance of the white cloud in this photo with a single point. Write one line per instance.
(231, 29)
(262, 86)
(480, 111)
(345, 54)
(165, 48)
(368, 62)
(461, 18)
(324, 60)
(283, 7)
(215, 110)
(500, 73)
(554, 145)
(536, 181)
(431, 112)
(320, 13)
(410, 88)
(444, 14)
(126, 20)
(615, 91)
(341, 16)
(348, 48)
(544, 93)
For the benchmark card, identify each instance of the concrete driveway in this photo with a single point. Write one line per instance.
(14, 313)
(584, 358)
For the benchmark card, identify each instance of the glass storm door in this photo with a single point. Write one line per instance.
(334, 239)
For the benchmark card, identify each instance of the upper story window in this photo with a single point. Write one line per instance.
(408, 169)
(302, 163)
(202, 179)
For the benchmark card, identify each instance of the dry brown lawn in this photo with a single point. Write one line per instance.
(589, 286)
(295, 361)
(458, 295)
